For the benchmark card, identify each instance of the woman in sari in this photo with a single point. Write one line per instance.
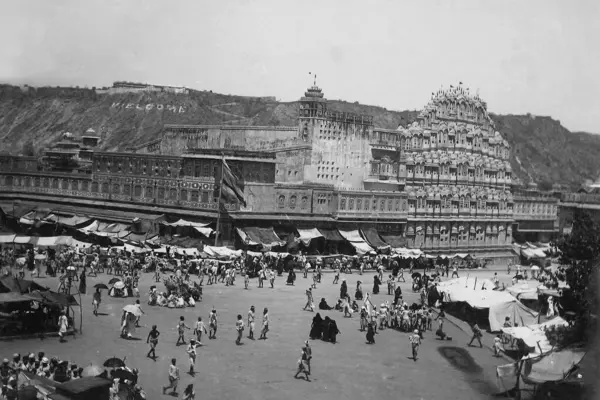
(317, 327)
(359, 294)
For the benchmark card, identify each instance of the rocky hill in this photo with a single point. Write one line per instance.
(33, 118)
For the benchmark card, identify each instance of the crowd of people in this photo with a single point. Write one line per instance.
(60, 371)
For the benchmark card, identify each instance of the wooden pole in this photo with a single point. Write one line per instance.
(518, 385)
(219, 202)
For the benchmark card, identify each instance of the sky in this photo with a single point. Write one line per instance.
(523, 56)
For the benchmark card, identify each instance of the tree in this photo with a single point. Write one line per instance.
(579, 262)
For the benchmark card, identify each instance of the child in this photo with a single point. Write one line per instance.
(265, 325)
(363, 319)
(497, 346)
(152, 341)
(370, 334)
(181, 327)
(212, 324)
(239, 327)
(191, 350)
(200, 327)
(246, 281)
(251, 323)
(415, 341)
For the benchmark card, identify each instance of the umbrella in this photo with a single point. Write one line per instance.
(100, 286)
(113, 280)
(92, 370)
(123, 374)
(40, 257)
(535, 268)
(119, 285)
(114, 363)
(135, 310)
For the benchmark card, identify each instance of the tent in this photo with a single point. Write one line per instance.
(513, 309)
(498, 304)
(524, 291)
(534, 335)
(552, 367)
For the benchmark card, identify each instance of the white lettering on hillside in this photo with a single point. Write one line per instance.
(150, 107)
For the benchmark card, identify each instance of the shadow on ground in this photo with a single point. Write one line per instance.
(460, 359)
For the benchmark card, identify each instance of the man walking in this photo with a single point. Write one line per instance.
(309, 300)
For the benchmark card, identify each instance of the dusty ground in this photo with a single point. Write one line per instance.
(350, 369)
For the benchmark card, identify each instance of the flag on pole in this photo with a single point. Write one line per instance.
(232, 188)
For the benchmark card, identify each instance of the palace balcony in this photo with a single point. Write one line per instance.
(465, 211)
(446, 212)
(431, 212)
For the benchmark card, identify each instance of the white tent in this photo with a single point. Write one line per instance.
(534, 335)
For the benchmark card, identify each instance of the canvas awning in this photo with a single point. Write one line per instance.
(332, 235)
(221, 251)
(352, 236)
(183, 222)
(395, 241)
(361, 247)
(306, 235)
(205, 231)
(73, 221)
(31, 217)
(12, 284)
(22, 239)
(245, 238)
(50, 297)
(372, 238)
(14, 297)
(356, 241)
(136, 237)
(7, 238)
(264, 236)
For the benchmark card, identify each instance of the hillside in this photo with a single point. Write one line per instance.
(544, 151)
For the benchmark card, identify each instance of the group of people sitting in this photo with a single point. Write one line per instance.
(51, 368)
(173, 300)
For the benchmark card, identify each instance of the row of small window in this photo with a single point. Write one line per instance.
(372, 204)
(293, 202)
(533, 208)
(327, 176)
(463, 202)
(95, 187)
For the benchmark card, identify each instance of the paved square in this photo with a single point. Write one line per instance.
(258, 369)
